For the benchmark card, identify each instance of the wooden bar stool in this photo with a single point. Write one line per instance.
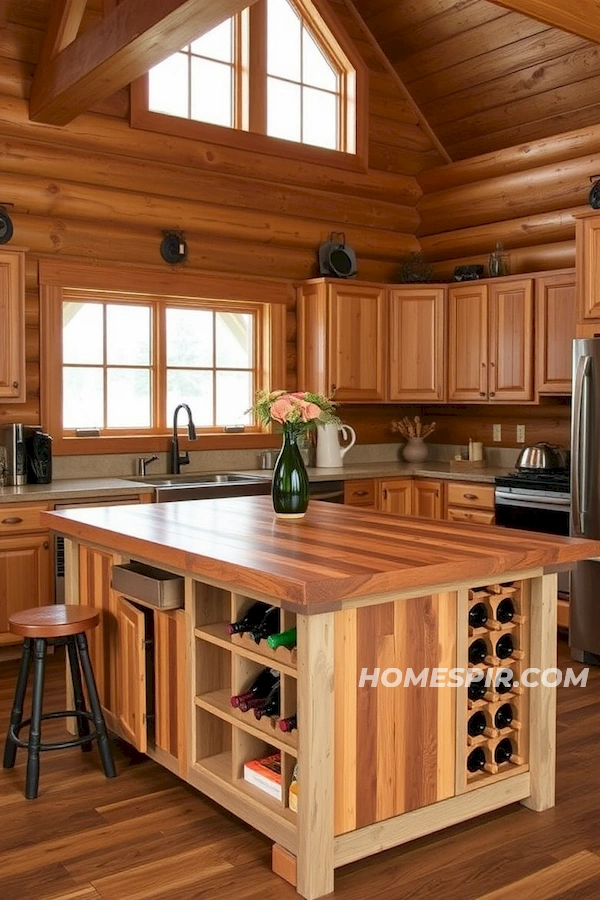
(56, 625)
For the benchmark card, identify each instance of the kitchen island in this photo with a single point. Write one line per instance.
(380, 761)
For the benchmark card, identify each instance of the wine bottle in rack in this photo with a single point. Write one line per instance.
(270, 706)
(249, 620)
(478, 615)
(283, 639)
(504, 681)
(260, 687)
(268, 625)
(505, 611)
(289, 724)
(476, 760)
(504, 646)
(476, 724)
(476, 690)
(478, 651)
(503, 751)
(504, 716)
(257, 701)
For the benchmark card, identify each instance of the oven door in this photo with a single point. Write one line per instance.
(533, 511)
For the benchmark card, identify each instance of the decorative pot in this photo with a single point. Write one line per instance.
(289, 489)
(415, 450)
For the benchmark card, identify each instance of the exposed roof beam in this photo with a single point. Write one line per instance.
(581, 18)
(131, 39)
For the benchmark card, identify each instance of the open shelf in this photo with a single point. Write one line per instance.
(217, 703)
(282, 659)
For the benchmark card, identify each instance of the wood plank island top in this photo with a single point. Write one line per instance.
(334, 553)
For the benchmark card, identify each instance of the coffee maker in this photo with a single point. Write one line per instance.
(12, 448)
(26, 453)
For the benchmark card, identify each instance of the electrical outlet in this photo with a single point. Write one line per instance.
(520, 434)
(497, 432)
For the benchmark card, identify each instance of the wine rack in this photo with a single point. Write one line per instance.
(226, 738)
(497, 620)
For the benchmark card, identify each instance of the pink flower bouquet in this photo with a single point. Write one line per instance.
(299, 410)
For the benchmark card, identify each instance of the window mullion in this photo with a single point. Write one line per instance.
(257, 67)
(159, 366)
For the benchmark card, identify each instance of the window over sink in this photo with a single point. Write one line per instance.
(115, 363)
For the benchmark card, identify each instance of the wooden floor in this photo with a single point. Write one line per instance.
(147, 835)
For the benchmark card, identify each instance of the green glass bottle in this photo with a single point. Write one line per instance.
(289, 489)
(283, 639)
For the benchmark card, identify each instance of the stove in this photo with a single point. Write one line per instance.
(534, 500)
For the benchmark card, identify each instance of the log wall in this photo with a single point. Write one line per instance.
(98, 190)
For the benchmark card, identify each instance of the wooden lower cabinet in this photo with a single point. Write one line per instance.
(395, 496)
(25, 564)
(427, 497)
(470, 501)
(138, 654)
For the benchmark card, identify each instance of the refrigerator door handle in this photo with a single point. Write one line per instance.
(580, 442)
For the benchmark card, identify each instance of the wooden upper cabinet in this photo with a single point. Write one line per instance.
(490, 341)
(554, 332)
(587, 240)
(395, 496)
(342, 342)
(417, 357)
(468, 342)
(510, 371)
(12, 326)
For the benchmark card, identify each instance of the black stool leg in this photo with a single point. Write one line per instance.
(35, 729)
(83, 725)
(16, 716)
(90, 682)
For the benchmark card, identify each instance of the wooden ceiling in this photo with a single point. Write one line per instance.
(483, 76)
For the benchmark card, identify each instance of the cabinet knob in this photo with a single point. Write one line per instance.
(470, 496)
(482, 393)
(483, 365)
(333, 390)
(12, 520)
(492, 393)
(15, 384)
(385, 493)
(46, 545)
(492, 365)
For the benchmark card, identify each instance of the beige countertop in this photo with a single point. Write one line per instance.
(97, 489)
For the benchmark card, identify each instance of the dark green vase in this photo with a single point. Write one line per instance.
(290, 479)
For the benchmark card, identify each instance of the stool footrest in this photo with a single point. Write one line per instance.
(57, 745)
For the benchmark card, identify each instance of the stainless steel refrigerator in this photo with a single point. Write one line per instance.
(584, 599)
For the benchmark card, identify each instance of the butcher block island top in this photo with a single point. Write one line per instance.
(385, 749)
(332, 554)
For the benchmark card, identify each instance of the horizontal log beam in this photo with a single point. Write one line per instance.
(579, 18)
(124, 45)
(94, 133)
(566, 146)
(525, 232)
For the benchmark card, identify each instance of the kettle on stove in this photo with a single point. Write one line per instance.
(330, 454)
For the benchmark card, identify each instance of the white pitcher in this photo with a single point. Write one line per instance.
(330, 454)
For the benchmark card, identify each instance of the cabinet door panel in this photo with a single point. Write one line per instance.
(511, 341)
(95, 590)
(587, 241)
(356, 346)
(554, 332)
(132, 704)
(395, 496)
(12, 326)
(467, 342)
(25, 577)
(427, 498)
(417, 344)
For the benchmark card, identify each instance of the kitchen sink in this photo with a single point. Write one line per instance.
(185, 480)
(204, 486)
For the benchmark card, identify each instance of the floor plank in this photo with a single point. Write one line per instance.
(146, 835)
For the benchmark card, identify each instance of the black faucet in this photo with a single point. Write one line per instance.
(176, 460)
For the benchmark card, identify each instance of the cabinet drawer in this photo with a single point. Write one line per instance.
(465, 494)
(476, 516)
(360, 493)
(20, 517)
(147, 585)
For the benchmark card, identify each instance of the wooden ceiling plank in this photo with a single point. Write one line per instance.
(120, 48)
(579, 18)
